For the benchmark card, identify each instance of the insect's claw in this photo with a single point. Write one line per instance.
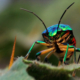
(46, 60)
(38, 58)
(65, 63)
(26, 57)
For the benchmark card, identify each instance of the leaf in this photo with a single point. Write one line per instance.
(17, 72)
(43, 71)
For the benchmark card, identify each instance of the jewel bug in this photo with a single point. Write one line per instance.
(59, 39)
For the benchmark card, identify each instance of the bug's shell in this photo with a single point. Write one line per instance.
(52, 31)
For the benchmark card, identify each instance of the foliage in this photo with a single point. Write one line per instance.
(22, 69)
(43, 71)
(17, 72)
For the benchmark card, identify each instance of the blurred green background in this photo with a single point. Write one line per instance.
(28, 29)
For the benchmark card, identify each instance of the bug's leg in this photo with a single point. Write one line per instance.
(65, 40)
(43, 52)
(27, 55)
(62, 37)
(48, 56)
(71, 49)
(78, 49)
(74, 55)
(59, 63)
(38, 42)
(65, 56)
(71, 46)
(78, 59)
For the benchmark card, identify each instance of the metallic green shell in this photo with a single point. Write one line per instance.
(53, 29)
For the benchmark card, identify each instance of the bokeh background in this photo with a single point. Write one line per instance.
(28, 29)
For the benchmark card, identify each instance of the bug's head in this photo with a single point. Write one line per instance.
(50, 36)
(50, 33)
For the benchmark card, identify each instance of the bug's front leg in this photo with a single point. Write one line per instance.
(44, 52)
(38, 42)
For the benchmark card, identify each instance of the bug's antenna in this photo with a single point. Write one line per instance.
(37, 17)
(63, 15)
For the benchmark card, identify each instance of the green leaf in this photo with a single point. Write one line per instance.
(43, 71)
(17, 72)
